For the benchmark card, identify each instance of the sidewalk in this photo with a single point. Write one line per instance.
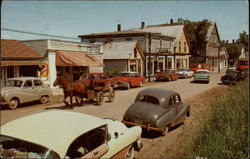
(57, 91)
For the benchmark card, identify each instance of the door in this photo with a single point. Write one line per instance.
(29, 92)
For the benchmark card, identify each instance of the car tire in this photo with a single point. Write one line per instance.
(130, 153)
(141, 84)
(99, 98)
(44, 99)
(13, 104)
(165, 131)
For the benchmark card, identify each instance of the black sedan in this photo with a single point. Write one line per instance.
(156, 109)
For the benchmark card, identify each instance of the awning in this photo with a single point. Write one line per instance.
(76, 58)
(21, 62)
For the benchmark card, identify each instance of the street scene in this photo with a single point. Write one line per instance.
(176, 87)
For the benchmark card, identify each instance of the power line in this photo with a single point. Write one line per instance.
(40, 34)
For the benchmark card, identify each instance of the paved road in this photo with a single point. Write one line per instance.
(122, 100)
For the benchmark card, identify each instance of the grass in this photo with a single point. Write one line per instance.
(224, 130)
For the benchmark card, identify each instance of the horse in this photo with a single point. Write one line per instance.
(76, 88)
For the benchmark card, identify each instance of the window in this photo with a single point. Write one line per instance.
(149, 99)
(179, 46)
(185, 47)
(37, 83)
(28, 83)
(87, 142)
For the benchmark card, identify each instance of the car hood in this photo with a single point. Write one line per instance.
(6, 89)
(144, 112)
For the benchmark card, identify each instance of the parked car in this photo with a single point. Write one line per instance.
(156, 109)
(129, 79)
(200, 66)
(169, 75)
(233, 76)
(185, 73)
(24, 89)
(242, 64)
(101, 77)
(201, 76)
(62, 134)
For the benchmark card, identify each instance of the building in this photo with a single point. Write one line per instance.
(223, 59)
(180, 57)
(155, 47)
(68, 58)
(18, 60)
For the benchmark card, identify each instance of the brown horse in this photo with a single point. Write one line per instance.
(76, 88)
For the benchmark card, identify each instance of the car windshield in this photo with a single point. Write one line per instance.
(125, 74)
(231, 73)
(17, 148)
(149, 99)
(180, 70)
(14, 83)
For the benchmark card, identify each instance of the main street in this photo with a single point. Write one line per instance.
(122, 100)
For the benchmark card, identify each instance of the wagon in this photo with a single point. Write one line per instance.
(98, 89)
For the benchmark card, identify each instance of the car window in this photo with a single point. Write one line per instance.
(17, 148)
(175, 99)
(38, 82)
(14, 83)
(136, 75)
(149, 99)
(28, 83)
(87, 142)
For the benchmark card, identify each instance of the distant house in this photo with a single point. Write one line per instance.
(68, 58)
(18, 59)
(180, 57)
(155, 47)
(123, 56)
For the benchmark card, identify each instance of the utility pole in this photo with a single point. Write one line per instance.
(219, 59)
(149, 60)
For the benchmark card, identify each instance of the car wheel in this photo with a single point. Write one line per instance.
(186, 76)
(165, 131)
(130, 153)
(13, 104)
(111, 96)
(44, 99)
(99, 98)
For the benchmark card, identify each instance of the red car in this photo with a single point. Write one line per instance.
(196, 67)
(242, 64)
(169, 75)
(129, 79)
(87, 77)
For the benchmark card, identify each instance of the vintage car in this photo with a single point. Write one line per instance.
(62, 134)
(87, 77)
(200, 66)
(169, 75)
(156, 109)
(24, 89)
(185, 73)
(129, 79)
(201, 76)
(234, 76)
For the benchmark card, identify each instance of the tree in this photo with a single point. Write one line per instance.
(243, 39)
(234, 51)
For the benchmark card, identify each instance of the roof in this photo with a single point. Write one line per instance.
(14, 49)
(76, 58)
(21, 62)
(210, 30)
(118, 49)
(24, 78)
(167, 30)
(162, 94)
(53, 129)
(122, 33)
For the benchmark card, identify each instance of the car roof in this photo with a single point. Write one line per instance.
(128, 72)
(24, 78)
(163, 95)
(55, 129)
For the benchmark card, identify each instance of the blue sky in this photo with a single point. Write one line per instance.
(73, 18)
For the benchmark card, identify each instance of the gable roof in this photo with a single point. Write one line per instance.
(14, 49)
(210, 30)
(119, 49)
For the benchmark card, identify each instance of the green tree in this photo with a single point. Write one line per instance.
(243, 39)
(234, 51)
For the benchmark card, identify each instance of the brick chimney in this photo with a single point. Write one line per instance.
(119, 27)
(171, 21)
(142, 25)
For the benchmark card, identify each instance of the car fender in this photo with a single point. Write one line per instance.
(166, 119)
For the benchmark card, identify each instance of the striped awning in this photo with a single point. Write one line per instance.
(76, 58)
(21, 62)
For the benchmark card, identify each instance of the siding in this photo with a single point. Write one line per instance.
(115, 65)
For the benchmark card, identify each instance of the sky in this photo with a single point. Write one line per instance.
(73, 18)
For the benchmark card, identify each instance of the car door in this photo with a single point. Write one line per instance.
(179, 107)
(172, 110)
(29, 92)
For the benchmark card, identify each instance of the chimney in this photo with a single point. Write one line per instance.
(233, 41)
(171, 21)
(118, 27)
(142, 25)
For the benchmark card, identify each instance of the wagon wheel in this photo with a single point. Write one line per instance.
(111, 96)
(165, 131)
(99, 98)
(14, 102)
